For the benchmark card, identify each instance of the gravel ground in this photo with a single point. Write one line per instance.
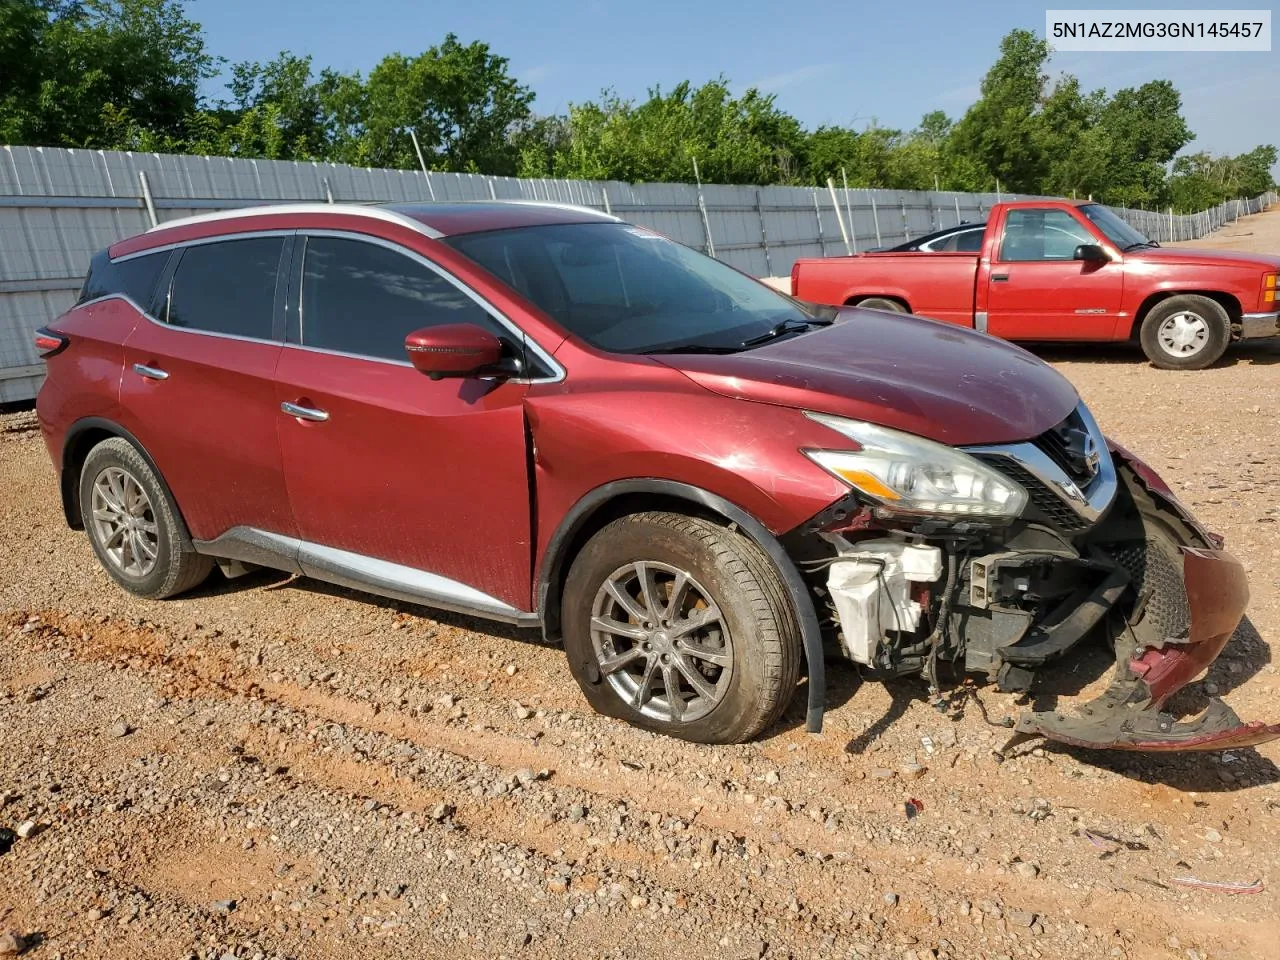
(273, 767)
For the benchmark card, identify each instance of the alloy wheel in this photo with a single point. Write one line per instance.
(124, 522)
(661, 642)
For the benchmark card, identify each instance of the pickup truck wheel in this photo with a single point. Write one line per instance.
(1187, 332)
(881, 303)
(681, 626)
(133, 526)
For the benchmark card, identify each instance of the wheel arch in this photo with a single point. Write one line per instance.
(621, 497)
(81, 438)
(1227, 301)
(856, 298)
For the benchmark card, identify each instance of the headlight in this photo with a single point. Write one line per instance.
(908, 474)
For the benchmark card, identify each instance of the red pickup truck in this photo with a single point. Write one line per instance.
(1064, 271)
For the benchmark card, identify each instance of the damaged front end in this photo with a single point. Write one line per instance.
(1101, 550)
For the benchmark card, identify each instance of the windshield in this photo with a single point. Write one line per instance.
(625, 289)
(1117, 231)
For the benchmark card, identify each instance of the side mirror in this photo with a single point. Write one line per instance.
(452, 350)
(1091, 253)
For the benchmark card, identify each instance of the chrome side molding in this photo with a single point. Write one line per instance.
(359, 572)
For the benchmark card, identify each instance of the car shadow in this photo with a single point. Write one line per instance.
(267, 579)
(1256, 352)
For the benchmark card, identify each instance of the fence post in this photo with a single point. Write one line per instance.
(146, 197)
(957, 209)
(831, 185)
(702, 206)
(764, 234)
(906, 226)
(1171, 224)
(853, 232)
(328, 193)
(875, 216)
(817, 212)
(604, 192)
(422, 163)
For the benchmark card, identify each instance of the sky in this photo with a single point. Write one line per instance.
(846, 63)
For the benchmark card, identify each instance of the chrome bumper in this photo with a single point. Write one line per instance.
(1254, 326)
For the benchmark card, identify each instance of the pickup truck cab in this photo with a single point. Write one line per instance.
(1059, 270)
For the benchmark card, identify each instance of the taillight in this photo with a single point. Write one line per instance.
(50, 343)
(795, 273)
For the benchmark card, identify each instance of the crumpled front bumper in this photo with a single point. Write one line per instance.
(1127, 716)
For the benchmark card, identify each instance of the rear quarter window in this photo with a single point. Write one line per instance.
(135, 278)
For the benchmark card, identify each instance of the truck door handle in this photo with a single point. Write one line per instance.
(150, 373)
(305, 413)
(999, 278)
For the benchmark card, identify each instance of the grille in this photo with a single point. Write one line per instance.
(1065, 445)
(1043, 501)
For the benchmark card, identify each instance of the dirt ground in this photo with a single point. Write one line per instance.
(274, 767)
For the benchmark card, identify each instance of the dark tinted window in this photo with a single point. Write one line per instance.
(365, 299)
(227, 287)
(135, 278)
(970, 241)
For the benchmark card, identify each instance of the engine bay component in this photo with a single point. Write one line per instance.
(870, 586)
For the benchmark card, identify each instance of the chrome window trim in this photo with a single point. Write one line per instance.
(1091, 502)
(557, 371)
(201, 241)
(384, 214)
(359, 572)
(168, 326)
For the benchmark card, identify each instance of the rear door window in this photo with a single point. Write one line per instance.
(364, 299)
(228, 287)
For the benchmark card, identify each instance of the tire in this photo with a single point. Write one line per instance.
(149, 556)
(1186, 332)
(747, 653)
(881, 303)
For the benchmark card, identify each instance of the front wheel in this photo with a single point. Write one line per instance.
(681, 626)
(1187, 332)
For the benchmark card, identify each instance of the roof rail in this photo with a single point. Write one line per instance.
(335, 209)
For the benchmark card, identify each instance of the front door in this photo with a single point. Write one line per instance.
(1038, 291)
(198, 386)
(406, 478)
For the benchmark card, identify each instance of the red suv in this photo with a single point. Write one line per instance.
(543, 415)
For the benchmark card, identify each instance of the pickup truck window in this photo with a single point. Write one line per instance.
(1033, 234)
(1118, 232)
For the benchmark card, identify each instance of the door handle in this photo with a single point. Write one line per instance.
(999, 278)
(151, 373)
(305, 413)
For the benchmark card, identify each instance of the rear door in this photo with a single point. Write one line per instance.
(198, 389)
(391, 472)
(1038, 291)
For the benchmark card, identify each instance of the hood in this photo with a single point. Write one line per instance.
(926, 377)
(1204, 258)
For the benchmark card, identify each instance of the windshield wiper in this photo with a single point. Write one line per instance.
(1140, 243)
(691, 348)
(789, 325)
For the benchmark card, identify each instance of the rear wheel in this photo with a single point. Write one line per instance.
(133, 525)
(1187, 332)
(681, 626)
(882, 303)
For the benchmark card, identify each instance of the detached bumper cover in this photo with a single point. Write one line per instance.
(1127, 716)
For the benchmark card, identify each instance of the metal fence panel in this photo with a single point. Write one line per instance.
(58, 207)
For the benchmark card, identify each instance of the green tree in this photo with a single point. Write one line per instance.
(85, 72)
